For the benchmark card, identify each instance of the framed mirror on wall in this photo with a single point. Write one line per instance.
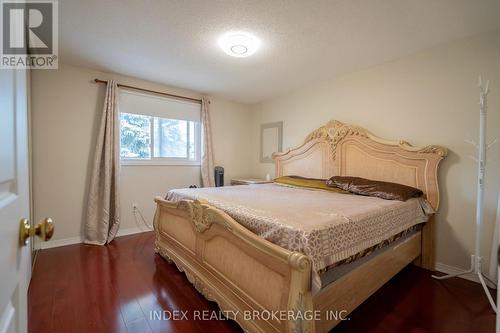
(271, 140)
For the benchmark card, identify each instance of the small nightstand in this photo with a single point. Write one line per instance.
(248, 181)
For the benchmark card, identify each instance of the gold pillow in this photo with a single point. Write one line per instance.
(307, 183)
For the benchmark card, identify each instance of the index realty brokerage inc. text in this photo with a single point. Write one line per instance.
(247, 315)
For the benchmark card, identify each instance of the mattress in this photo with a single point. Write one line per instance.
(333, 273)
(327, 227)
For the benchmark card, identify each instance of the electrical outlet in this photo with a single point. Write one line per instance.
(134, 206)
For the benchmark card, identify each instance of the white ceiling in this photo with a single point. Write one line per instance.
(175, 42)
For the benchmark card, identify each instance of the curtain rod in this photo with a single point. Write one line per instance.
(153, 91)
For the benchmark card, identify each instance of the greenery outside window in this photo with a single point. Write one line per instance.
(150, 139)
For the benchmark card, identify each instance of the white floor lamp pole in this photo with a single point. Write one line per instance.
(497, 263)
(498, 296)
(475, 264)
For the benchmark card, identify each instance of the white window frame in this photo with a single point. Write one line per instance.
(173, 161)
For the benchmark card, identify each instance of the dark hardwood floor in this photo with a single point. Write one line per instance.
(116, 288)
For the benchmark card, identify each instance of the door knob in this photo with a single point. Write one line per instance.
(44, 230)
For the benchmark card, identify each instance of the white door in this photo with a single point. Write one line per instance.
(15, 261)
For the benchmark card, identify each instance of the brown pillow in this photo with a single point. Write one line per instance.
(373, 188)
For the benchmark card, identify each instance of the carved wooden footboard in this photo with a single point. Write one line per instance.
(264, 287)
(235, 268)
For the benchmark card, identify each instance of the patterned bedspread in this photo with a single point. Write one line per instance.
(328, 227)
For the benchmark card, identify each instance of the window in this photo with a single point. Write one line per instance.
(156, 130)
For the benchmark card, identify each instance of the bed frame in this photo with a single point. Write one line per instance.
(250, 277)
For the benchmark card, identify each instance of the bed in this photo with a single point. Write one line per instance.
(256, 261)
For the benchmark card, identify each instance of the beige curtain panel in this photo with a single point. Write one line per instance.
(207, 158)
(103, 208)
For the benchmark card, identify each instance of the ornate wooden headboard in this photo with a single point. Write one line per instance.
(347, 150)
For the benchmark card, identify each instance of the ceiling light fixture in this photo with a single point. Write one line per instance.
(239, 44)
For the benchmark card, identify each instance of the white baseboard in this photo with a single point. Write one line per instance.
(77, 240)
(60, 242)
(446, 269)
(131, 231)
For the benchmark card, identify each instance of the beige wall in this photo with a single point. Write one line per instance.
(427, 98)
(66, 106)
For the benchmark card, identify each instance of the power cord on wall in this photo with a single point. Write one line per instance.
(138, 214)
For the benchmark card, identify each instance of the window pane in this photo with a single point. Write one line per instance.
(192, 151)
(171, 138)
(135, 136)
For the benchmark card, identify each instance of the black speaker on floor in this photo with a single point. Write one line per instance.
(219, 176)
